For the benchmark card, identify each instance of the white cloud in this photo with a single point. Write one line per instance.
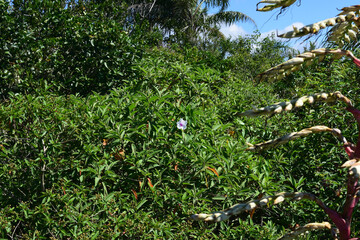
(232, 30)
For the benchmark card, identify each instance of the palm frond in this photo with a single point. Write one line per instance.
(223, 4)
(229, 17)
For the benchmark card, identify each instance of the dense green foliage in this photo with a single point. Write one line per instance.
(74, 51)
(89, 143)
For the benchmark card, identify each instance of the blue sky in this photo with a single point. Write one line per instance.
(301, 13)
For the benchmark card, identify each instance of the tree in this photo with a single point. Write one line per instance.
(185, 21)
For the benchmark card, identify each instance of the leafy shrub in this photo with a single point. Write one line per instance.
(116, 165)
(72, 50)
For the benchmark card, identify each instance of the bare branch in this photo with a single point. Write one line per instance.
(17, 225)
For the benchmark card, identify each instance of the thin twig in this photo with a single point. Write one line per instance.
(43, 167)
(17, 225)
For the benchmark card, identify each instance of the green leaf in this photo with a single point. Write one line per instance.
(142, 202)
(219, 198)
(97, 179)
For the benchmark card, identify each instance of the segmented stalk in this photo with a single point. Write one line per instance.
(306, 228)
(282, 70)
(273, 4)
(344, 32)
(346, 10)
(294, 135)
(344, 20)
(350, 163)
(266, 201)
(298, 102)
(343, 27)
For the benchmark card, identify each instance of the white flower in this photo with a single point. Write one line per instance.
(181, 124)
